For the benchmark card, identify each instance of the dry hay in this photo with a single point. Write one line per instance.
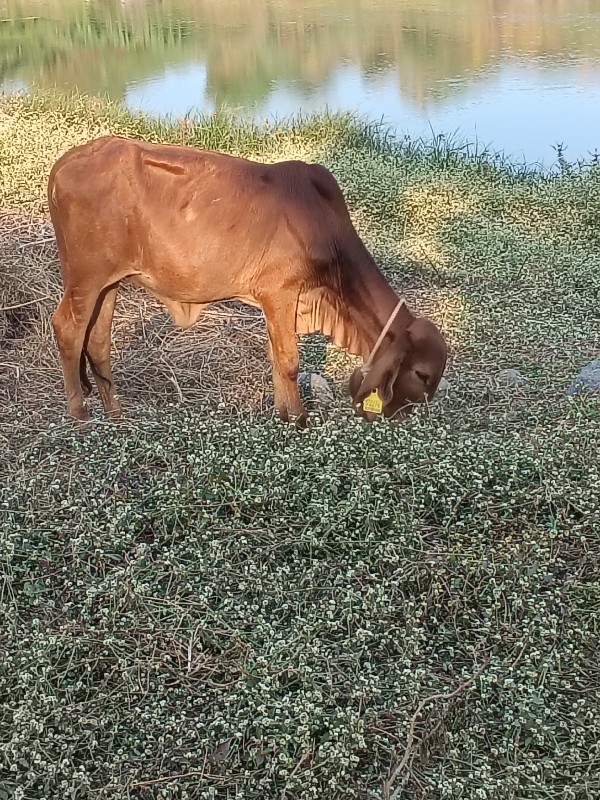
(221, 359)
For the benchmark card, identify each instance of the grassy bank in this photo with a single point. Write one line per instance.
(204, 603)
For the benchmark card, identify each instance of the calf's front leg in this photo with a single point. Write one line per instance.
(280, 314)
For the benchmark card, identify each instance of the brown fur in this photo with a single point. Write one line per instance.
(195, 227)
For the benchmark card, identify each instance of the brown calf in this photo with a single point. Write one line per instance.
(195, 227)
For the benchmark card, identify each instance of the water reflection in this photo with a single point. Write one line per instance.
(522, 75)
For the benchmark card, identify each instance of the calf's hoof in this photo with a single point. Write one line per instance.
(79, 414)
(115, 413)
(300, 419)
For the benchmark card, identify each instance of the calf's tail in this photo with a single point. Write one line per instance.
(83, 378)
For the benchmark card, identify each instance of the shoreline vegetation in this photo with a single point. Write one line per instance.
(205, 603)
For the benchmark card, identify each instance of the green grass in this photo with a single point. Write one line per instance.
(206, 603)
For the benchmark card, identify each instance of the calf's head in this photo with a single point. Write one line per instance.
(405, 372)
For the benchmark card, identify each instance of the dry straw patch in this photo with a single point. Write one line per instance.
(222, 359)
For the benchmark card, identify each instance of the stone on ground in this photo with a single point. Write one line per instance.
(587, 381)
(510, 378)
(315, 387)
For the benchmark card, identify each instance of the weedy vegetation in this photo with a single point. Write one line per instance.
(205, 603)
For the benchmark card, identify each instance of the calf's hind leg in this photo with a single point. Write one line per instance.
(70, 322)
(97, 350)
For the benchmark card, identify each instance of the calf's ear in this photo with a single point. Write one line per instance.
(381, 375)
(355, 381)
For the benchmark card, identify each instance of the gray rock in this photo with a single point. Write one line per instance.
(315, 387)
(442, 390)
(587, 381)
(510, 378)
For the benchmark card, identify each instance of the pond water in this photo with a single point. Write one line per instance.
(519, 76)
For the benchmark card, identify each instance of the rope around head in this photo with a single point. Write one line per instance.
(366, 367)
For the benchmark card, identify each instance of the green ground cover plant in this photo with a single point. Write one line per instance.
(205, 603)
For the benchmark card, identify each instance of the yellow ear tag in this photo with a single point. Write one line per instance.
(373, 403)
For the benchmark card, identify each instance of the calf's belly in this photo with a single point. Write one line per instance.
(185, 300)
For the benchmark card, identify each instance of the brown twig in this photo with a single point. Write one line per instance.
(301, 761)
(169, 778)
(27, 303)
(517, 660)
(387, 786)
